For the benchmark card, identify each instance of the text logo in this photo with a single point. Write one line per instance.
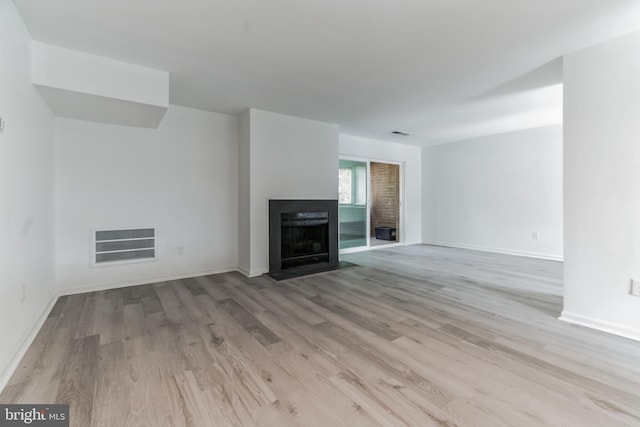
(34, 415)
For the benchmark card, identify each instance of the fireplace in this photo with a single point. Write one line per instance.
(303, 235)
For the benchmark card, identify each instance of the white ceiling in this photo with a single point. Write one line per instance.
(441, 70)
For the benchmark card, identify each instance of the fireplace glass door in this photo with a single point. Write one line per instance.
(304, 238)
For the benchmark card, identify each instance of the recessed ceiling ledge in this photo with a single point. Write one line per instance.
(88, 87)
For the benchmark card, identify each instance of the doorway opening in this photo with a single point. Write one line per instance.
(385, 203)
(370, 206)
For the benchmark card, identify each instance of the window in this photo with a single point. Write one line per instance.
(345, 186)
(352, 185)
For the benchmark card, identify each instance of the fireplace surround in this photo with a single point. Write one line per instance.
(303, 236)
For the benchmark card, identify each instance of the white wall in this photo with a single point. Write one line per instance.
(289, 158)
(96, 75)
(492, 193)
(602, 185)
(244, 194)
(181, 178)
(82, 86)
(411, 160)
(26, 193)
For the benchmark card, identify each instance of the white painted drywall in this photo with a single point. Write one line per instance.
(89, 87)
(244, 194)
(26, 193)
(181, 178)
(289, 158)
(96, 75)
(410, 158)
(81, 106)
(492, 193)
(602, 185)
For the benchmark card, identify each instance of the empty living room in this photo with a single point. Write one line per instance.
(339, 213)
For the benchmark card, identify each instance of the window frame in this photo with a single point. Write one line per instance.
(354, 188)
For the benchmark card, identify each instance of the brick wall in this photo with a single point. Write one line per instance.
(385, 196)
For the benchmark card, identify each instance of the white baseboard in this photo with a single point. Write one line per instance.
(244, 271)
(258, 272)
(550, 257)
(121, 284)
(601, 325)
(252, 272)
(22, 350)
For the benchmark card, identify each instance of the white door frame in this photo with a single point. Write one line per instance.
(401, 235)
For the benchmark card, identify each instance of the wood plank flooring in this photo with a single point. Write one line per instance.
(413, 336)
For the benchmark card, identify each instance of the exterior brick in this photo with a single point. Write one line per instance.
(385, 196)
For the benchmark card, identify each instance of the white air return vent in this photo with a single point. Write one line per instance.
(124, 245)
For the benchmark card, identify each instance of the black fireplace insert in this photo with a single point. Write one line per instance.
(302, 233)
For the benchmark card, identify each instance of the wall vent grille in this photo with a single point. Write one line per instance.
(124, 245)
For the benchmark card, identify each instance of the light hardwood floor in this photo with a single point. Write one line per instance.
(413, 336)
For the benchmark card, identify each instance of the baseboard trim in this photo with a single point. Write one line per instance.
(601, 325)
(71, 290)
(258, 272)
(537, 255)
(252, 273)
(244, 271)
(22, 350)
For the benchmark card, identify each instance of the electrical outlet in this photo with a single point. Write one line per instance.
(23, 296)
(535, 235)
(635, 287)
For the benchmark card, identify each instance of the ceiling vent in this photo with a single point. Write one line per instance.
(397, 132)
